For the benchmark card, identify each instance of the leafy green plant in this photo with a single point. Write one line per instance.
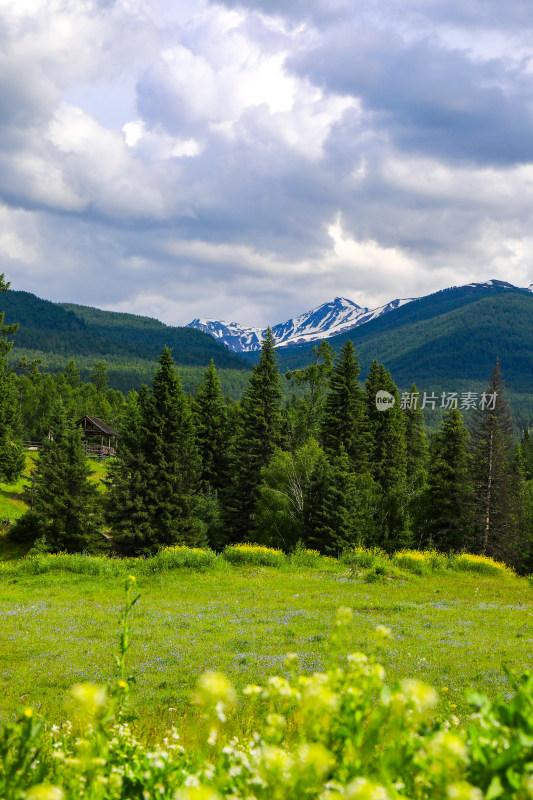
(255, 554)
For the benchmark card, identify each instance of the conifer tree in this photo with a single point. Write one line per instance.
(388, 459)
(417, 457)
(344, 422)
(526, 452)
(342, 505)
(496, 485)
(126, 511)
(416, 441)
(171, 465)
(305, 413)
(211, 420)
(447, 499)
(258, 433)
(12, 459)
(65, 514)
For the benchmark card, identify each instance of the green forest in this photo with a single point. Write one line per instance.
(324, 468)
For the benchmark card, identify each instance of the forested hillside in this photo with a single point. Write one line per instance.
(128, 343)
(452, 335)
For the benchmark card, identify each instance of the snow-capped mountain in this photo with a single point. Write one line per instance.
(327, 320)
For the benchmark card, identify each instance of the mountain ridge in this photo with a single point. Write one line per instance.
(327, 320)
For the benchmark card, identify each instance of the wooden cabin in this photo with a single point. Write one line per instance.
(100, 438)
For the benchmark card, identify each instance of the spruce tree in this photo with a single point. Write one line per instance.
(388, 459)
(447, 500)
(344, 422)
(211, 421)
(341, 505)
(495, 482)
(12, 459)
(304, 414)
(258, 433)
(126, 511)
(171, 465)
(526, 451)
(65, 514)
(417, 457)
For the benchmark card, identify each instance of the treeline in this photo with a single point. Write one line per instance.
(77, 330)
(328, 469)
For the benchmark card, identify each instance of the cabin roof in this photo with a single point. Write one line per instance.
(99, 424)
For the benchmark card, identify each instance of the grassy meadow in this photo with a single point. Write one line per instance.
(454, 630)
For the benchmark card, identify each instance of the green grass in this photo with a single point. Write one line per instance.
(13, 505)
(59, 628)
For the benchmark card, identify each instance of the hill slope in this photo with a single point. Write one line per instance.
(455, 334)
(129, 344)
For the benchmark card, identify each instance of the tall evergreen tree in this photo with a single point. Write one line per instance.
(344, 421)
(417, 458)
(446, 521)
(416, 441)
(526, 452)
(211, 420)
(341, 505)
(126, 511)
(65, 511)
(495, 482)
(12, 459)
(388, 459)
(304, 414)
(258, 434)
(172, 465)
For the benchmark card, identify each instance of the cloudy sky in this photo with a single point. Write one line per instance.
(250, 159)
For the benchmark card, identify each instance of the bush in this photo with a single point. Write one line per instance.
(483, 565)
(180, 556)
(301, 557)
(413, 561)
(255, 554)
(364, 558)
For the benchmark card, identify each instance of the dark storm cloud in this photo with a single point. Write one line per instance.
(427, 98)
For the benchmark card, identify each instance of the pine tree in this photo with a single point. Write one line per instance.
(416, 441)
(171, 465)
(448, 495)
(496, 485)
(344, 423)
(12, 459)
(258, 433)
(304, 414)
(211, 421)
(417, 457)
(125, 507)
(341, 505)
(65, 511)
(388, 459)
(526, 451)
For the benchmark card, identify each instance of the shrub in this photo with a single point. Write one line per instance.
(483, 565)
(255, 554)
(302, 557)
(363, 557)
(413, 561)
(181, 556)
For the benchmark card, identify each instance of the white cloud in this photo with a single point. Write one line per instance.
(198, 158)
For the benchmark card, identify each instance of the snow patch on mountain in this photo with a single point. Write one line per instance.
(327, 320)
